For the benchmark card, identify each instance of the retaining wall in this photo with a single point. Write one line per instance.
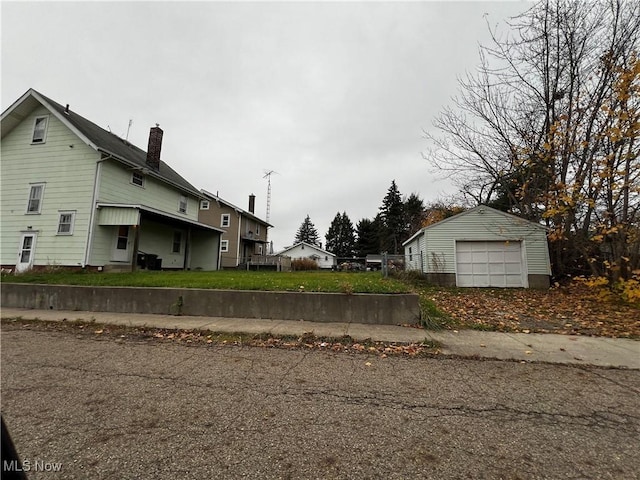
(389, 309)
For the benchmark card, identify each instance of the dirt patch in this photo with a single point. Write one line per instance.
(570, 310)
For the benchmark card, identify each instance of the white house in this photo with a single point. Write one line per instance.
(481, 247)
(75, 195)
(324, 259)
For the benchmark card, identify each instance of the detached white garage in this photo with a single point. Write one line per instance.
(482, 247)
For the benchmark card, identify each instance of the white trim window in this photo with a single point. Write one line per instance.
(36, 193)
(182, 204)
(224, 246)
(225, 220)
(177, 242)
(66, 220)
(137, 179)
(40, 125)
(204, 204)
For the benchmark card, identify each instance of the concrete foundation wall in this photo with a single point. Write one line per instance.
(315, 307)
(449, 280)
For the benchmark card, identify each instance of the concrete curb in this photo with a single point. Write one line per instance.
(565, 349)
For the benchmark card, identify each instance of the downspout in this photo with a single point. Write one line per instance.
(96, 186)
(238, 248)
(186, 264)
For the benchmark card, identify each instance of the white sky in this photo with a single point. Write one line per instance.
(333, 96)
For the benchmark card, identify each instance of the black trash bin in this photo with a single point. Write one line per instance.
(150, 261)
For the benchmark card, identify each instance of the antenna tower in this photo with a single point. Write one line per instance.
(268, 177)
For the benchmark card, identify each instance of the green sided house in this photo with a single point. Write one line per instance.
(481, 247)
(75, 195)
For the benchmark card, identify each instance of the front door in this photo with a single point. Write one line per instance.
(26, 252)
(121, 251)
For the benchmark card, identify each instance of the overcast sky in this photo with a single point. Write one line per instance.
(332, 96)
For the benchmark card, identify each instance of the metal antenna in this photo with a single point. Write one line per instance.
(268, 177)
(129, 128)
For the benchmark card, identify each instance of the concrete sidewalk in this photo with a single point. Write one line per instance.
(570, 349)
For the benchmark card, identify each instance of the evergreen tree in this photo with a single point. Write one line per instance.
(368, 241)
(307, 233)
(415, 215)
(393, 220)
(341, 237)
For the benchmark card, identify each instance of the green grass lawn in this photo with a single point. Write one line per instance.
(310, 281)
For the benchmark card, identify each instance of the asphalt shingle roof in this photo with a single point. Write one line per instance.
(120, 148)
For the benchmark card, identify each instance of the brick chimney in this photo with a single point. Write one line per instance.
(252, 203)
(155, 145)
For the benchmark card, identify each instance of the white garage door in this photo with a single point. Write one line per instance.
(489, 264)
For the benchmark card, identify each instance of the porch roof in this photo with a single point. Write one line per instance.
(116, 214)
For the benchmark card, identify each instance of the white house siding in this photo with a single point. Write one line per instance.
(297, 252)
(67, 166)
(115, 185)
(413, 255)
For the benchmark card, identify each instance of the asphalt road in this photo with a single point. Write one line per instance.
(112, 408)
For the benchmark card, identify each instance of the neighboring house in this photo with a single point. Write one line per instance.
(481, 247)
(301, 250)
(75, 195)
(244, 233)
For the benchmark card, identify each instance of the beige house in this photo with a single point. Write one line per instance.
(245, 234)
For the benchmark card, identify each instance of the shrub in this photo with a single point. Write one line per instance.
(627, 291)
(304, 264)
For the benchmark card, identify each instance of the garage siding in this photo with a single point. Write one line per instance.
(484, 224)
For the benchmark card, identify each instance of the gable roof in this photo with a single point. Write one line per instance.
(479, 208)
(96, 137)
(216, 198)
(315, 247)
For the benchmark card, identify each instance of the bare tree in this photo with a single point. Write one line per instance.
(548, 128)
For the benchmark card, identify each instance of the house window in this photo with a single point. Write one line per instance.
(137, 179)
(65, 223)
(410, 256)
(257, 229)
(35, 198)
(40, 129)
(259, 249)
(204, 205)
(177, 242)
(224, 246)
(225, 220)
(182, 205)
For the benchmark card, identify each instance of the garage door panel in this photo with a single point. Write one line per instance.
(489, 264)
(513, 268)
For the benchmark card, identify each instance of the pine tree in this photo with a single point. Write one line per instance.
(393, 219)
(341, 237)
(415, 215)
(368, 241)
(307, 233)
